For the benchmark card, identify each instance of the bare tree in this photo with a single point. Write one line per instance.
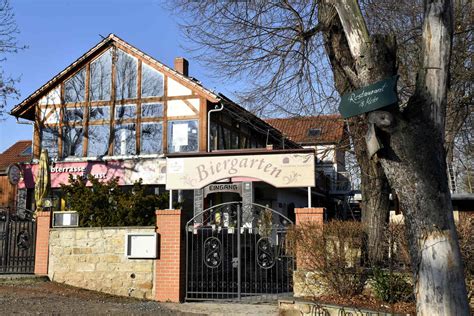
(294, 51)
(8, 44)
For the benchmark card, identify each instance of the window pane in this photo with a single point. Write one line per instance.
(152, 110)
(98, 140)
(99, 113)
(182, 136)
(101, 77)
(75, 114)
(125, 111)
(49, 141)
(72, 141)
(151, 138)
(74, 88)
(126, 76)
(124, 140)
(152, 82)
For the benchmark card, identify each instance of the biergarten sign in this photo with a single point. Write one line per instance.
(280, 170)
(370, 98)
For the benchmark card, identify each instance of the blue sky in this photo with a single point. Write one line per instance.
(59, 31)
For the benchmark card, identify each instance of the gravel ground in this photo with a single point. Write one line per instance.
(38, 297)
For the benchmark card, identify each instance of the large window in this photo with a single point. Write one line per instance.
(101, 77)
(125, 76)
(98, 140)
(74, 114)
(99, 113)
(127, 111)
(182, 136)
(80, 117)
(75, 87)
(152, 110)
(152, 82)
(49, 141)
(151, 138)
(124, 140)
(72, 141)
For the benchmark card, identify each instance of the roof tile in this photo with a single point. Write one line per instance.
(14, 154)
(297, 128)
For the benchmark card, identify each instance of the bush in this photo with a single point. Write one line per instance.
(391, 287)
(106, 204)
(332, 251)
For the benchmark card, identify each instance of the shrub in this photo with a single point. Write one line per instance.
(106, 204)
(391, 287)
(332, 251)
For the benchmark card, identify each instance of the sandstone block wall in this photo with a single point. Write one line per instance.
(94, 258)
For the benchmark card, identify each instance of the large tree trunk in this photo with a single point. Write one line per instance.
(375, 203)
(375, 189)
(413, 157)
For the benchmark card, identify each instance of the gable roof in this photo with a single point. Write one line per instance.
(297, 128)
(14, 154)
(26, 104)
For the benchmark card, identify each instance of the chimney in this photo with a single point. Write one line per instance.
(181, 65)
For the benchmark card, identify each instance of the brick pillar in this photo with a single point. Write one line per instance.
(312, 214)
(43, 223)
(308, 215)
(169, 268)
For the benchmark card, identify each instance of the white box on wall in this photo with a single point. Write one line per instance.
(65, 219)
(141, 245)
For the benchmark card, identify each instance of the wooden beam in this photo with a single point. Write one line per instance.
(86, 111)
(191, 107)
(60, 125)
(112, 106)
(203, 125)
(165, 115)
(138, 113)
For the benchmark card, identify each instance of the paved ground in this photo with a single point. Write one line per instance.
(37, 296)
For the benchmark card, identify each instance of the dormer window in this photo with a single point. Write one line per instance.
(314, 132)
(27, 152)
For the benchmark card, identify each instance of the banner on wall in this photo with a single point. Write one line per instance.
(280, 170)
(151, 171)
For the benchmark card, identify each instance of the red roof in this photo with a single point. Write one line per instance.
(15, 154)
(331, 128)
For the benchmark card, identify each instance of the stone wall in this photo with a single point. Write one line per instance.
(94, 258)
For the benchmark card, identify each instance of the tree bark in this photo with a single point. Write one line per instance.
(413, 157)
(375, 189)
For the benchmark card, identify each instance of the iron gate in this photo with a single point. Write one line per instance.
(235, 252)
(17, 243)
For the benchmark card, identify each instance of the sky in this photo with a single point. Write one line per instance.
(57, 32)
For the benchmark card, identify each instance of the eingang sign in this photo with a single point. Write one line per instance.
(280, 170)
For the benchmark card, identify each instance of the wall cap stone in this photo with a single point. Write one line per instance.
(167, 212)
(312, 210)
(102, 228)
(43, 214)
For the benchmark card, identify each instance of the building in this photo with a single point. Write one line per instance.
(327, 135)
(10, 196)
(116, 112)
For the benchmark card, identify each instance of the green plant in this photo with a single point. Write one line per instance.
(391, 287)
(107, 204)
